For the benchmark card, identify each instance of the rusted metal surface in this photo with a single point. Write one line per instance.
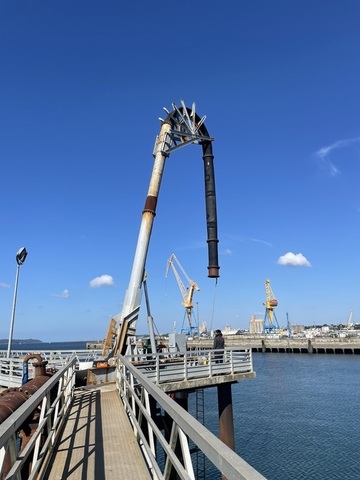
(100, 375)
(39, 366)
(12, 398)
(226, 421)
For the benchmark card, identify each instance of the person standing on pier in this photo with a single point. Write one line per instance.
(219, 344)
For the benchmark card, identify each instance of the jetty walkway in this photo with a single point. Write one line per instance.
(97, 441)
(131, 427)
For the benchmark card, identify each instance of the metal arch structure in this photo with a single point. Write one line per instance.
(182, 126)
(187, 292)
(270, 320)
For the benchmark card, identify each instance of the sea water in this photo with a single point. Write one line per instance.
(45, 346)
(298, 419)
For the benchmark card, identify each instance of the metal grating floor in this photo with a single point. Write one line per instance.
(98, 442)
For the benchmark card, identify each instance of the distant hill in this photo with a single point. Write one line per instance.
(18, 342)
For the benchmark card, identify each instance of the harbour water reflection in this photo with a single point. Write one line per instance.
(299, 419)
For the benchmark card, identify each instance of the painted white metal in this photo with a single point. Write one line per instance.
(184, 425)
(163, 367)
(52, 416)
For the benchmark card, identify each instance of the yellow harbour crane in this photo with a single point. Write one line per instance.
(186, 292)
(270, 320)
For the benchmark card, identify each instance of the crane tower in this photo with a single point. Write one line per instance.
(270, 320)
(186, 292)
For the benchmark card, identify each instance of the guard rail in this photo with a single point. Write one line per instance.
(52, 414)
(139, 394)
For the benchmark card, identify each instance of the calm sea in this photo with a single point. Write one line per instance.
(298, 419)
(45, 346)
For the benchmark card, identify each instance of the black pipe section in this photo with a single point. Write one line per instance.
(211, 217)
(210, 197)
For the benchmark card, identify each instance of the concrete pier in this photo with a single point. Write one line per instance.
(264, 344)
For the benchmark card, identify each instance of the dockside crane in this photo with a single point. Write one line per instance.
(186, 292)
(182, 126)
(270, 320)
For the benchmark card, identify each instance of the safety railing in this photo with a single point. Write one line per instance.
(63, 356)
(146, 404)
(52, 401)
(170, 367)
(11, 368)
(11, 371)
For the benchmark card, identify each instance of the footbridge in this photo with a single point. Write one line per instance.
(132, 427)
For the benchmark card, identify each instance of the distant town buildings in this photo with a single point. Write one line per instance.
(256, 325)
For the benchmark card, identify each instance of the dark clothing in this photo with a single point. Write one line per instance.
(219, 346)
(218, 341)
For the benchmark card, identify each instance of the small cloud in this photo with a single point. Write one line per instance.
(4, 285)
(294, 260)
(101, 281)
(64, 294)
(227, 251)
(324, 152)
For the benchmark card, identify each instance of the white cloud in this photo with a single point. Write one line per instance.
(64, 294)
(227, 251)
(324, 152)
(4, 285)
(101, 281)
(293, 260)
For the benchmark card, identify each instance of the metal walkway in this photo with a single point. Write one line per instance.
(98, 442)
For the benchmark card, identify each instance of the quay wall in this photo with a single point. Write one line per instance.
(320, 345)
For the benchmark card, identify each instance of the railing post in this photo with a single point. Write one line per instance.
(157, 368)
(210, 364)
(232, 361)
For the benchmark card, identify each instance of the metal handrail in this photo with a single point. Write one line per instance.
(136, 390)
(11, 368)
(52, 414)
(56, 355)
(191, 365)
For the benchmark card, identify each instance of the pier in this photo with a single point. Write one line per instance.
(265, 344)
(132, 427)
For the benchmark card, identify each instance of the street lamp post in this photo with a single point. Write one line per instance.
(20, 259)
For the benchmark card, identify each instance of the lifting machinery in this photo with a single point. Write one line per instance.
(270, 320)
(182, 126)
(186, 292)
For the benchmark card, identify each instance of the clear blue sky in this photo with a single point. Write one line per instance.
(82, 85)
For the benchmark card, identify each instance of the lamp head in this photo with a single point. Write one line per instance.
(21, 255)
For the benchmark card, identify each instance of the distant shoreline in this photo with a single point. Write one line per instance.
(28, 341)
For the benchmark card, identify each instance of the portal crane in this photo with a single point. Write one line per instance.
(186, 292)
(270, 320)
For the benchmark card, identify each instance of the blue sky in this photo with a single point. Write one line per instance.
(82, 86)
